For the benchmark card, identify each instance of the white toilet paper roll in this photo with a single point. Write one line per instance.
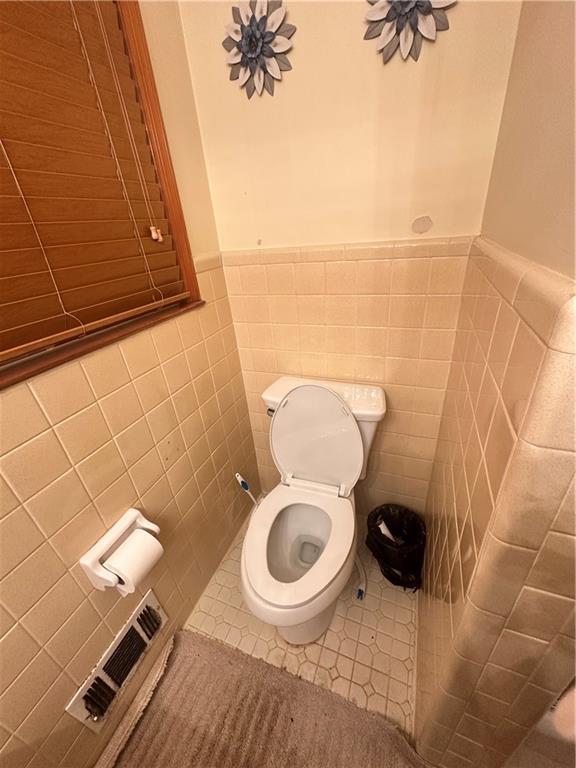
(134, 559)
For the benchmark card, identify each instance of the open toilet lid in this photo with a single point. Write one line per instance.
(315, 437)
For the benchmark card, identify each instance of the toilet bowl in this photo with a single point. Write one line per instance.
(300, 545)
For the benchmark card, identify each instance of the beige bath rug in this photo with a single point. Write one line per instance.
(216, 707)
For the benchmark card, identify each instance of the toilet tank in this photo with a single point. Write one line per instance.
(366, 402)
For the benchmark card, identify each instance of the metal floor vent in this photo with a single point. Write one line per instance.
(92, 701)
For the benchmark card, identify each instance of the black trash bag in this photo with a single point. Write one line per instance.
(400, 560)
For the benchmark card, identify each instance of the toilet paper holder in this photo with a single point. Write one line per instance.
(100, 577)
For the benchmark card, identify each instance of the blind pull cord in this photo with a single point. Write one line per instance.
(155, 232)
(40, 243)
(154, 288)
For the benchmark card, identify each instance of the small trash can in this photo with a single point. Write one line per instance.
(397, 539)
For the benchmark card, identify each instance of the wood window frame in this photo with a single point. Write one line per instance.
(137, 47)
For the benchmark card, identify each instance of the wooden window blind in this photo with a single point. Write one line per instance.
(84, 175)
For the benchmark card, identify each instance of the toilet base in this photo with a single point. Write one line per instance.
(308, 631)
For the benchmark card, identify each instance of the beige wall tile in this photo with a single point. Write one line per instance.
(30, 580)
(556, 668)
(253, 280)
(83, 433)
(481, 505)
(406, 311)
(505, 569)
(77, 536)
(189, 328)
(341, 277)
(17, 649)
(531, 704)
(517, 652)
(106, 370)
(520, 377)
(373, 277)
(8, 500)
(176, 372)
(283, 309)
(310, 278)
(34, 465)
(151, 388)
(477, 633)
(101, 468)
(280, 278)
(21, 417)
(16, 754)
(552, 413)
(19, 536)
(540, 297)
(410, 276)
(116, 499)
(500, 683)
(93, 648)
(48, 614)
(166, 340)
(447, 275)
(502, 340)
(139, 354)
(442, 311)
(553, 569)
(539, 614)
(565, 521)
(121, 408)
(21, 697)
(135, 441)
(535, 486)
(42, 719)
(508, 736)
(73, 633)
(62, 391)
(499, 445)
(6, 621)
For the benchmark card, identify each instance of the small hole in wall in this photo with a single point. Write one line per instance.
(259, 241)
(422, 224)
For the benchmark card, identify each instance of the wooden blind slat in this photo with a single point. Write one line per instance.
(35, 184)
(52, 210)
(85, 232)
(33, 157)
(116, 307)
(17, 99)
(88, 253)
(47, 81)
(78, 250)
(20, 262)
(45, 133)
(26, 18)
(29, 48)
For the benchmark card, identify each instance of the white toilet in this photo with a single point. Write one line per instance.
(299, 549)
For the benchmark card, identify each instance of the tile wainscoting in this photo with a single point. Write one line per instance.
(383, 313)
(496, 617)
(159, 421)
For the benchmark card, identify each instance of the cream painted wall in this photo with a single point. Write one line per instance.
(168, 54)
(350, 150)
(530, 204)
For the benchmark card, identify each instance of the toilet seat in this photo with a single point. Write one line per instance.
(325, 569)
(314, 437)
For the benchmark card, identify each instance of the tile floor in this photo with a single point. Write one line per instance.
(367, 655)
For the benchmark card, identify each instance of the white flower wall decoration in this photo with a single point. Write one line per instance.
(257, 42)
(405, 24)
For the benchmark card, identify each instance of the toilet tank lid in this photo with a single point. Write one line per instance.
(367, 402)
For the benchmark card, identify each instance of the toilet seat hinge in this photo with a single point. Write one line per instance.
(310, 485)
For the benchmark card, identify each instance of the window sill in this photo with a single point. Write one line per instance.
(20, 370)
